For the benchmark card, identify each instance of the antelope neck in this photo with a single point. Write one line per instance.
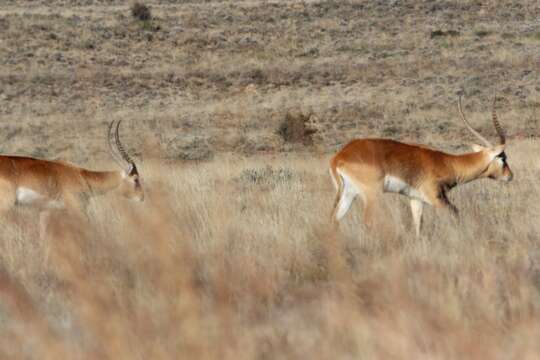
(101, 182)
(469, 167)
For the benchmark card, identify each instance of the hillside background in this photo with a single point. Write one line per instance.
(203, 78)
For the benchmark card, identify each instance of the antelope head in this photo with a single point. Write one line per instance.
(497, 168)
(130, 186)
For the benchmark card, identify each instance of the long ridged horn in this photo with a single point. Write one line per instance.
(120, 147)
(498, 127)
(117, 157)
(474, 132)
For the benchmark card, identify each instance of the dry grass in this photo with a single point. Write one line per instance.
(233, 257)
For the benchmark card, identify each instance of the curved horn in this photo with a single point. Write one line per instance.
(474, 132)
(119, 145)
(498, 127)
(110, 138)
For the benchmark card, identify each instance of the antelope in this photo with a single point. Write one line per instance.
(369, 167)
(49, 184)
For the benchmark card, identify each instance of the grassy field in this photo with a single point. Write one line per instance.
(233, 109)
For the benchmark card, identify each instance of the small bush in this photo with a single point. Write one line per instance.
(442, 33)
(294, 129)
(141, 12)
(482, 33)
(266, 176)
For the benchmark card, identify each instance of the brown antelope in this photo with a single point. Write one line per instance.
(369, 167)
(56, 184)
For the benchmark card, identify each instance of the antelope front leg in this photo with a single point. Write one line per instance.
(437, 197)
(447, 204)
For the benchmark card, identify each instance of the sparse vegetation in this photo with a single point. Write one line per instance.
(266, 176)
(483, 33)
(535, 35)
(141, 12)
(295, 129)
(443, 33)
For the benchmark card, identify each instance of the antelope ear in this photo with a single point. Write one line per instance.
(477, 148)
(132, 170)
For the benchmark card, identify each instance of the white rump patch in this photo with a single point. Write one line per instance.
(396, 185)
(347, 196)
(27, 196)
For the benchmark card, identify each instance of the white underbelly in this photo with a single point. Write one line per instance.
(27, 196)
(396, 185)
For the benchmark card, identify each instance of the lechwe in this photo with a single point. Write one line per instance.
(369, 167)
(58, 185)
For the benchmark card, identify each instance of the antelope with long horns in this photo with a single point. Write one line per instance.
(57, 184)
(369, 167)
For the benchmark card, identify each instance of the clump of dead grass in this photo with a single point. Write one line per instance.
(141, 12)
